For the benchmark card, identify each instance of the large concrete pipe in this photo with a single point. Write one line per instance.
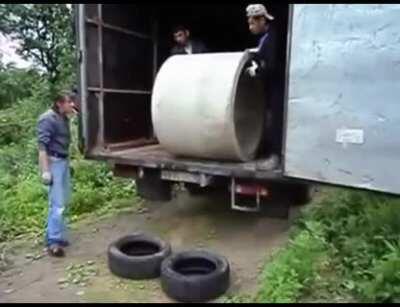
(205, 106)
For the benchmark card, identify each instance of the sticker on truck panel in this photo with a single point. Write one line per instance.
(350, 136)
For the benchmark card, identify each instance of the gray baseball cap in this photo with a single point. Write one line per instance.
(254, 10)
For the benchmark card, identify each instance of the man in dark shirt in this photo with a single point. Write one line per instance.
(184, 44)
(266, 66)
(53, 141)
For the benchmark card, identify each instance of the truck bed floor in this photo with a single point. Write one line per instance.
(154, 156)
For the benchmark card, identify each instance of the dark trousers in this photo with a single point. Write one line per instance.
(273, 121)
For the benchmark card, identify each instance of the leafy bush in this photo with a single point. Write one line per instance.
(24, 95)
(23, 199)
(357, 233)
(95, 186)
(295, 267)
(23, 205)
(16, 84)
(384, 286)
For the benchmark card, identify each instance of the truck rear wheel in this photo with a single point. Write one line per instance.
(151, 187)
(194, 189)
(300, 194)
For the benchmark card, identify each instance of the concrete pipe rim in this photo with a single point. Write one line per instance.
(241, 152)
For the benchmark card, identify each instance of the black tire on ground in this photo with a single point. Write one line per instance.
(137, 256)
(195, 276)
(152, 188)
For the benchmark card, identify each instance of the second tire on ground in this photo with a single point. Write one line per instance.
(195, 276)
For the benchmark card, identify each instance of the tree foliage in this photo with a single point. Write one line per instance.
(15, 84)
(45, 34)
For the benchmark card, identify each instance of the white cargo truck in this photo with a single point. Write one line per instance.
(341, 71)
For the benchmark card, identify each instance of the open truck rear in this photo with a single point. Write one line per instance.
(340, 86)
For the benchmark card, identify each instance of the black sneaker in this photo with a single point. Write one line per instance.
(56, 251)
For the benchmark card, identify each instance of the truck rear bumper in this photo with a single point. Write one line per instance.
(156, 157)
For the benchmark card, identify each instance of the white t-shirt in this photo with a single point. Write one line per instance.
(188, 48)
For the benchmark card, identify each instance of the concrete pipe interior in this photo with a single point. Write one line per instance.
(248, 114)
(205, 106)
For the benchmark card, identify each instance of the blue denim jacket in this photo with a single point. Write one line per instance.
(53, 133)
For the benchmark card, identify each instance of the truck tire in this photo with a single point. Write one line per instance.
(301, 194)
(137, 256)
(152, 188)
(195, 276)
(194, 189)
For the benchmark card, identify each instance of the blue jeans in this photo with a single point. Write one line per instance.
(59, 197)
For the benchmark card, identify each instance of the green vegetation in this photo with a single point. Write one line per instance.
(294, 269)
(362, 230)
(45, 36)
(344, 248)
(24, 95)
(23, 199)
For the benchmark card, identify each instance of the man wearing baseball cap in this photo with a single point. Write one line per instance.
(265, 66)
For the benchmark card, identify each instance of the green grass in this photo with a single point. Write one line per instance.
(24, 206)
(363, 230)
(23, 199)
(293, 269)
(345, 247)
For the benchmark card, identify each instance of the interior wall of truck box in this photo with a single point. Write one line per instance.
(136, 40)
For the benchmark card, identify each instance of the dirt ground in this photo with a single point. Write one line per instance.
(246, 239)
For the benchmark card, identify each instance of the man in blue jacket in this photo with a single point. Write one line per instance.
(53, 133)
(266, 65)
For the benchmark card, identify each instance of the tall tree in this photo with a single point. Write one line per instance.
(16, 83)
(45, 34)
